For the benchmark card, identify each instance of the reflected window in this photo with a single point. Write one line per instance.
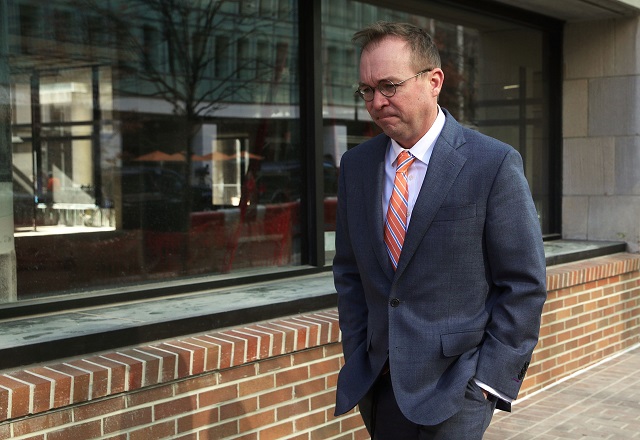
(495, 82)
(163, 143)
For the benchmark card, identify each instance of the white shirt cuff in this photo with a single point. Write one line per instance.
(490, 390)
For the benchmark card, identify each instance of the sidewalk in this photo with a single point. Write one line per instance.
(602, 402)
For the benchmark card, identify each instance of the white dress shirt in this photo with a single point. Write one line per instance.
(417, 171)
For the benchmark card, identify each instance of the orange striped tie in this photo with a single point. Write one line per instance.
(396, 224)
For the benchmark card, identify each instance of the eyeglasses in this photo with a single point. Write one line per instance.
(386, 87)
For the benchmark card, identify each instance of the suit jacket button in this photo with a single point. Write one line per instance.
(395, 302)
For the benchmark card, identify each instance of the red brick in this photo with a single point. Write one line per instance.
(175, 407)
(197, 356)
(184, 358)
(150, 395)
(41, 422)
(219, 431)
(5, 432)
(218, 395)
(351, 422)
(150, 366)
(256, 420)
(274, 338)
(251, 343)
(274, 364)
(61, 385)
(20, 398)
(307, 356)
(118, 373)
(157, 430)
(277, 432)
(313, 330)
(41, 390)
(331, 381)
(133, 370)
(169, 361)
(99, 408)
(323, 325)
(260, 383)
(198, 383)
(127, 419)
(311, 420)
(199, 419)
(326, 399)
(211, 355)
(275, 397)
(237, 347)
(238, 408)
(333, 350)
(80, 381)
(249, 436)
(309, 387)
(225, 350)
(283, 337)
(191, 436)
(237, 373)
(326, 431)
(77, 431)
(297, 332)
(98, 377)
(286, 377)
(293, 409)
(264, 341)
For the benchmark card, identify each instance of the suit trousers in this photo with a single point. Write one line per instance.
(384, 420)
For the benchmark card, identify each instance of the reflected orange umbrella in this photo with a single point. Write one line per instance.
(155, 156)
(177, 157)
(215, 156)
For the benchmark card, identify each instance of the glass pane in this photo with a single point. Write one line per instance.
(152, 139)
(494, 82)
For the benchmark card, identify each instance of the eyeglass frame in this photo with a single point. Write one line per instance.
(387, 82)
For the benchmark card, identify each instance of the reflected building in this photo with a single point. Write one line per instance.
(154, 139)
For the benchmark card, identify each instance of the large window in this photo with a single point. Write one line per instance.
(154, 140)
(496, 81)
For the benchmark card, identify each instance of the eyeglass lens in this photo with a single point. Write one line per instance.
(386, 87)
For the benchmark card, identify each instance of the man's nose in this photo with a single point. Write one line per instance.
(379, 100)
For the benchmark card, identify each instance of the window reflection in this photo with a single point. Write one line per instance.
(494, 82)
(152, 141)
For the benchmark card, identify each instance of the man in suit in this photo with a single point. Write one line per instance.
(438, 320)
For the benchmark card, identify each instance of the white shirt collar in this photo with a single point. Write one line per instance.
(422, 149)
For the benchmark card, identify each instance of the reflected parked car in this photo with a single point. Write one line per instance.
(153, 198)
(280, 182)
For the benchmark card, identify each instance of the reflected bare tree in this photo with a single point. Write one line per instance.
(184, 52)
(188, 53)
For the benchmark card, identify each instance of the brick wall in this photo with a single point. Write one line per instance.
(276, 379)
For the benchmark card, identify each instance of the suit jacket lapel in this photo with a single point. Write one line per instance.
(444, 167)
(373, 189)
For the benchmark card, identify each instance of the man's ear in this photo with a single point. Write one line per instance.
(436, 81)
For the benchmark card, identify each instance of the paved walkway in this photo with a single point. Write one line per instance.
(602, 402)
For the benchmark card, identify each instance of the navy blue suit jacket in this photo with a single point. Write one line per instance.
(466, 299)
